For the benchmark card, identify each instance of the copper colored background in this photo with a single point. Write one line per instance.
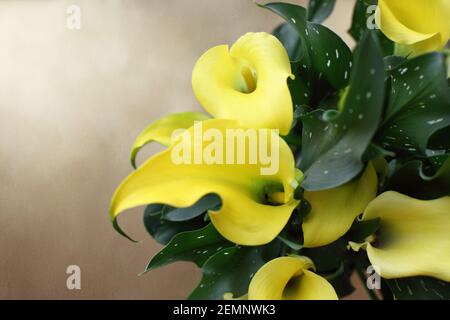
(71, 104)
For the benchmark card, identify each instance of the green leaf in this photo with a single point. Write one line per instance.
(290, 39)
(291, 244)
(208, 202)
(195, 246)
(341, 279)
(418, 105)
(360, 230)
(162, 230)
(412, 179)
(334, 142)
(439, 141)
(363, 16)
(322, 50)
(319, 10)
(419, 288)
(231, 270)
(328, 259)
(374, 152)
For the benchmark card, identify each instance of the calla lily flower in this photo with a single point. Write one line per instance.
(418, 26)
(413, 238)
(290, 278)
(255, 207)
(161, 130)
(333, 211)
(247, 83)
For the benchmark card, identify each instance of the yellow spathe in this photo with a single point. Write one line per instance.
(289, 278)
(161, 130)
(247, 83)
(414, 236)
(418, 26)
(245, 216)
(333, 211)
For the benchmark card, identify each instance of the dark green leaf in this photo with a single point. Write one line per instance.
(334, 142)
(163, 230)
(291, 244)
(195, 246)
(374, 152)
(363, 18)
(360, 230)
(440, 141)
(322, 50)
(328, 259)
(341, 279)
(392, 62)
(319, 10)
(411, 179)
(210, 201)
(418, 105)
(231, 270)
(290, 39)
(419, 288)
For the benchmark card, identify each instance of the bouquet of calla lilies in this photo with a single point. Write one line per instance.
(313, 162)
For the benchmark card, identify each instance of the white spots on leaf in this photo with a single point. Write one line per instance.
(417, 68)
(347, 151)
(346, 75)
(421, 77)
(433, 96)
(306, 31)
(403, 71)
(337, 54)
(409, 290)
(200, 237)
(368, 95)
(326, 172)
(433, 122)
(360, 116)
(438, 294)
(328, 63)
(293, 20)
(372, 71)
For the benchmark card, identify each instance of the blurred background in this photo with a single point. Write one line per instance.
(71, 104)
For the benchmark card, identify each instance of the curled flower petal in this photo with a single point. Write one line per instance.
(161, 130)
(288, 278)
(247, 83)
(333, 211)
(414, 236)
(421, 26)
(245, 217)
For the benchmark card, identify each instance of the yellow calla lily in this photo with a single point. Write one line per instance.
(247, 83)
(246, 217)
(418, 26)
(161, 130)
(289, 278)
(333, 211)
(414, 236)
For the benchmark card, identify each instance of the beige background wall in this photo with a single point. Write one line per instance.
(71, 103)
